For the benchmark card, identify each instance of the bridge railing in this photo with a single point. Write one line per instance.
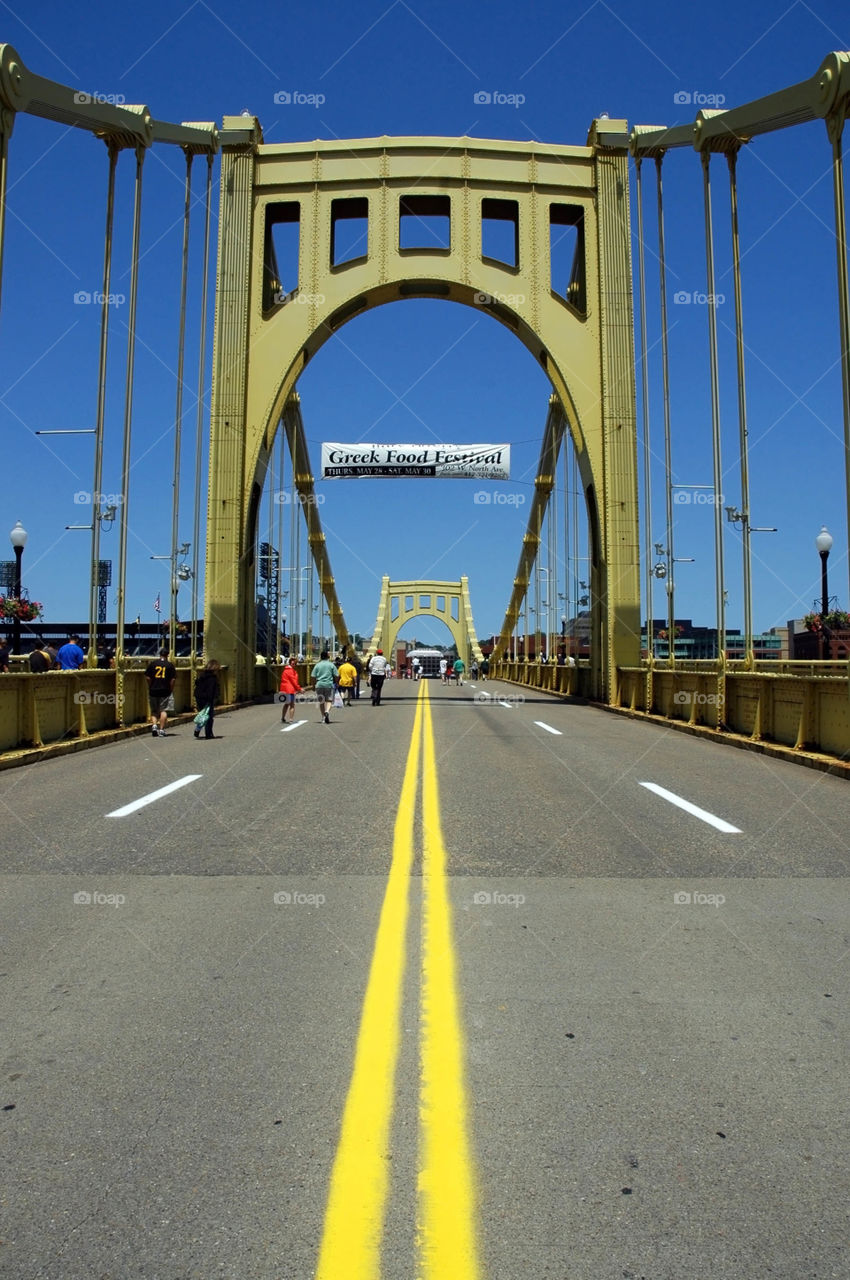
(37, 710)
(801, 709)
(64, 705)
(802, 705)
(546, 676)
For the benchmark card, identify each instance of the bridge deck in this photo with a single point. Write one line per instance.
(647, 1004)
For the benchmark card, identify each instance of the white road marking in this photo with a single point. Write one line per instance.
(702, 814)
(296, 724)
(542, 724)
(502, 703)
(154, 795)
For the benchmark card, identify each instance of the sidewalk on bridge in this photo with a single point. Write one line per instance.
(100, 738)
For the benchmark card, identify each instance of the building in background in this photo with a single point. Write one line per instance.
(694, 643)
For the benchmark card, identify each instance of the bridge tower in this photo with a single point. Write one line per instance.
(579, 328)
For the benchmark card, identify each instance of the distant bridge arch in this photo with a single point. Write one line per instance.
(403, 601)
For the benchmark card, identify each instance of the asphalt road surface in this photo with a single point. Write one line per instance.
(442, 990)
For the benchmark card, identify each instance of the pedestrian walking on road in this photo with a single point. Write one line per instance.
(206, 695)
(324, 675)
(289, 686)
(358, 667)
(484, 668)
(160, 675)
(379, 669)
(459, 668)
(444, 670)
(347, 679)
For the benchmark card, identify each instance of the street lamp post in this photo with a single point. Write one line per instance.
(18, 539)
(823, 542)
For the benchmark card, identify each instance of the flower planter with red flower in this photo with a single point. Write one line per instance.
(826, 636)
(24, 610)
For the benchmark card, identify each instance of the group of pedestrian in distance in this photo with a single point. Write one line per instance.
(335, 685)
(455, 671)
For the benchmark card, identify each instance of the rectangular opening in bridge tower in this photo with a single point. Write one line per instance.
(566, 254)
(281, 253)
(500, 231)
(349, 231)
(425, 222)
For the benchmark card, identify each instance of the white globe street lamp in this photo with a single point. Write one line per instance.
(823, 542)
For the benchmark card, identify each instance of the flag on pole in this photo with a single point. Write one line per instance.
(156, 604)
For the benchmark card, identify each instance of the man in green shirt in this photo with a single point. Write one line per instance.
(324, 675)
(459, 668)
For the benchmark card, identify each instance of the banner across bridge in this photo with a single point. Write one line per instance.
(463, 462)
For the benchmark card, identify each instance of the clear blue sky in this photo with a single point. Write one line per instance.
(419, 370)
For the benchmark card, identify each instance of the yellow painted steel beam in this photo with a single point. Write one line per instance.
(549, 449)
(297, 440)
(812, 99)
(125, 125)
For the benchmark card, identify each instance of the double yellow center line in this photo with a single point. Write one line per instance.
(354, 1220)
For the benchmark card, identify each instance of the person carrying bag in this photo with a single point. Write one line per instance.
(206, 693)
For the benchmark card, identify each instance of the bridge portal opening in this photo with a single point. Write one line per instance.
(500, 231)
(349, 231)
(567, 256)
(425, 222)
(443, 529)
(282, 254)
(427, 639)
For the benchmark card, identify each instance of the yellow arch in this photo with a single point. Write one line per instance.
(268, 328)
(423, 598)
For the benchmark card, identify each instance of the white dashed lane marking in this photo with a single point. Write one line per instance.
(154, 795)
(704, 816)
